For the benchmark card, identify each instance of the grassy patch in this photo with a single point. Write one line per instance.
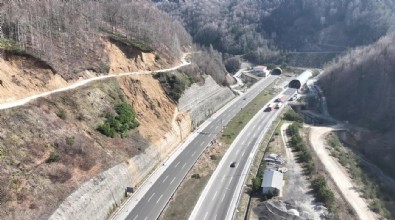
(187, 196)
(10, 45)
(245, 115)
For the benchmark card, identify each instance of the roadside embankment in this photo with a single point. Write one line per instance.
(103, 193)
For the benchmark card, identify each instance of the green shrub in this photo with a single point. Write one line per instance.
(195, 176)
(70, 140)
(53, 157)
(290, 115)
(61, 113)
(256, 184)
(213, 157)
(323, 192)
(124, 121)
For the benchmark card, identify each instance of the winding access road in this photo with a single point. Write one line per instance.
(77, 84)
(150, 205)
(219, 199)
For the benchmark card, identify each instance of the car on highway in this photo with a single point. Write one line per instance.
(233, 164)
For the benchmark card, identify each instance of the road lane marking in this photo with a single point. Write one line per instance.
(215, 195)
(183, 165)
(223, 179)
(159, 199)
(237, 151)
(223, 197)
(151, 197)
(253, 127)
(193, 153)
(177, 164)
(205, 216)
(172, 180)
(243, 153)
(146, 218)
(201, 144)
(216, 127)
(135, 217)
(165, 179)
(215, 218)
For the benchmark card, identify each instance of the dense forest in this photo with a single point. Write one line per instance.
(360, 89)
(258, 29)
(69, 35)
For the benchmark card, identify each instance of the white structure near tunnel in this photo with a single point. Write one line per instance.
(300, 80)
(272, 179)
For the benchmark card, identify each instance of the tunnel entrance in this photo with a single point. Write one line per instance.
(277, 71)
(295, 84)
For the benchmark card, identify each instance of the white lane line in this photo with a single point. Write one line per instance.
(150, 197)
(253, 127)
(135, 217)
(177, 164)
(215, 195)
(205, 216)
(223, 197)
(237, 151)
(183, 165)
(216, 127)
(146, 218)
(223, 179)
(215, 218)
(201, 144)
(243, 153)
(159, 199)
(165, 179)
(172, 180)
(193, 153)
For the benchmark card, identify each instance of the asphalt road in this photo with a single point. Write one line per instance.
(156, 198)
(220, 197)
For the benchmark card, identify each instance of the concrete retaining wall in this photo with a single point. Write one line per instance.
(95, 198)
(202, 101)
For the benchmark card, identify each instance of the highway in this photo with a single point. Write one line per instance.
(157, 196)
(220, 196)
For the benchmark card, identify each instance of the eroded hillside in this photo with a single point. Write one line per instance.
(23, 75)
(51, 146)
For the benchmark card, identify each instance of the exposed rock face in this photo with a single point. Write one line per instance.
(201, 101)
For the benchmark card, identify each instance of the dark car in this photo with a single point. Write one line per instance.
(233, 164)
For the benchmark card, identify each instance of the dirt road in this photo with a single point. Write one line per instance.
(86, 81)
(340, 177)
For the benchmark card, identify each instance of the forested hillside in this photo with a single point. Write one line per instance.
(70, 35)
(260, 28)
(360, 89)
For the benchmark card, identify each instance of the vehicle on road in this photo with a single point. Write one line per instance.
(279, 105)
(281, 98)
(270, 107)
(233, 164)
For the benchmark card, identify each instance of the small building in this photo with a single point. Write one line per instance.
(260, 68)
(272, 179)
(261, 71)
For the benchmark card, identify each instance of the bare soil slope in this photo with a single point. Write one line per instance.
(63, 127)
